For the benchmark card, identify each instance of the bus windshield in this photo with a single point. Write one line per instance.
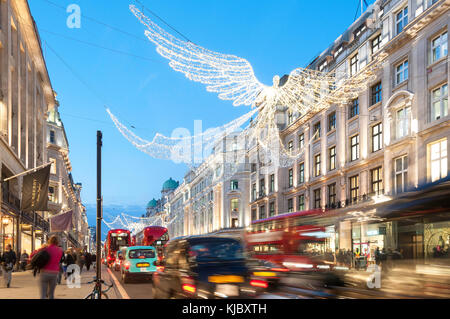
(118, 242)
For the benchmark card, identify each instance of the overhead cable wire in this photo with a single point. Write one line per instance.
(163, 21)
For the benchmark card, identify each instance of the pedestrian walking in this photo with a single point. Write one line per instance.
(23, 260)
(88, 260)
(8, 261)
(80, 259)
(94, 260)
(68, 260)
(49, 273)
(377, 256)
(61, 269)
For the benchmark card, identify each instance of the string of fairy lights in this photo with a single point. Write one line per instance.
(136, 224)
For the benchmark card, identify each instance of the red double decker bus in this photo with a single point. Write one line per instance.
(297, 241)
(116, 239)
(155, 236)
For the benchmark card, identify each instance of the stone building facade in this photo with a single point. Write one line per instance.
(26, 95)
(64, 193)
(26, 101)
(213, 195)
(391, 139)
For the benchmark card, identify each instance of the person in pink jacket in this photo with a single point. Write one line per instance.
(49, 273)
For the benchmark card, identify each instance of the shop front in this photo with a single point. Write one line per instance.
(436, 240)
(8, 231)
(38, 239)
(367, 237)
(26, 239)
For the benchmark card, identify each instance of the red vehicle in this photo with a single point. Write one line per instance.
(295, 241)
(133, 240)
(155, 236)
(116, 239)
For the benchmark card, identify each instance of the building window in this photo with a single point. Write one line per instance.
(272, 209)
(290, 118)
(254, 191)
(52, 194)
(301, 173)
(272, 183)
(354, 188)
(332, 158)
(52, 136)
(316, 131)
(439, 47)
(401, 72)
(376, 43)
(262, 212)
(439, 102)
(354, 108)
(53, 166)
(401, 174)
(360, 30)
(323, 65)
(403, 118)
(377, 137)
(234, 185)
(254, 217)
(262, 190)
(354, 150)
(438, 158)
(301, 141)
(331, 121)
(317, 165)
(354, 65)
(332, 195)
(338, 51)
(376, 93)
(317, 198)
(376, 176)
(253, 167)
(290, 205)
(301, 202)
(235, 205)
(291, 147)
(401, 19)
(291, 177)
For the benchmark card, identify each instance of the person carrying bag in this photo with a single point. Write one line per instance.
(47, 262)
(39, 260)
(8, 260)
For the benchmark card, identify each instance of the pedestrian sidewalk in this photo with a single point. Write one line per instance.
(25, 286)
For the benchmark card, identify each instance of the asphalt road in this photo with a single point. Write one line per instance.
(137, 288)
(296, 287)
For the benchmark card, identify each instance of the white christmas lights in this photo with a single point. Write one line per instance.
(304, 92)
(135, 224)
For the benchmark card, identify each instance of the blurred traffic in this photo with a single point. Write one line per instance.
(392, 253)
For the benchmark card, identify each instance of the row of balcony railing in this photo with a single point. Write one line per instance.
(13, 203)
(337, 204)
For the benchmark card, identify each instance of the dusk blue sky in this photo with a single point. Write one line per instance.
(274, 36)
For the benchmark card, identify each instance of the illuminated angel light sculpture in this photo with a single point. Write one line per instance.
(305, 92)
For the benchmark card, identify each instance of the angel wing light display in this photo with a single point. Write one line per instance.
(303, 92)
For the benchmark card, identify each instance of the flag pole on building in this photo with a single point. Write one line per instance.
(32, 170)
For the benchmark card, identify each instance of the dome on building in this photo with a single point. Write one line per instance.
(152, 203)
(170, 184)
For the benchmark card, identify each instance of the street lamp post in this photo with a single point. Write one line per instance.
(99, 206)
